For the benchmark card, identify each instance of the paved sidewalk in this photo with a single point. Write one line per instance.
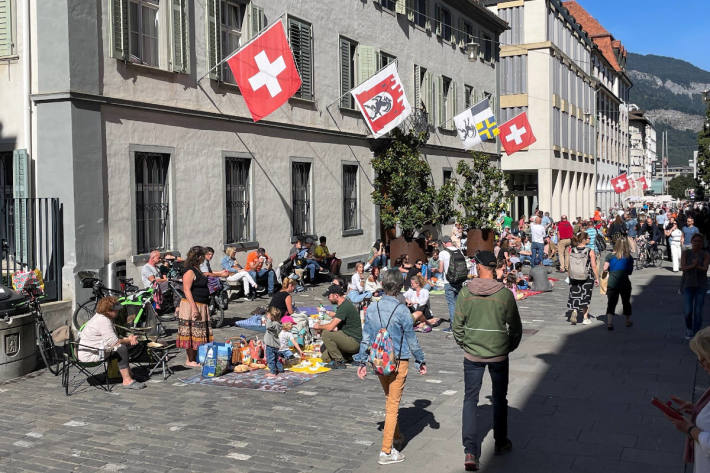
(579, 400)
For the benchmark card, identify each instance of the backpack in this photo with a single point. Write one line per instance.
(381, 356)
(579, 264)
(458, 270)
(600, 242)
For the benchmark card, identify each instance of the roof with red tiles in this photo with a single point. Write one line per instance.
(601, 37)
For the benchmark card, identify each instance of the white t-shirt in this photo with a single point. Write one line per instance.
(284, 339)
(355, 283)
(147, 271)
(675, 237)
(445, 257)
(537, 233)
(421, 300)
(100, 335)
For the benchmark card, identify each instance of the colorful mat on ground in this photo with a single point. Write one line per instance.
(254, 380)
(252, 323)
(525, 293)
(312, 310)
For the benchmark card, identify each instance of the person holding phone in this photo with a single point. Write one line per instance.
(696, 423)
(377, 256)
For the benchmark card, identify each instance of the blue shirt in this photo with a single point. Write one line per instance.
(661, 219)
(546, 221)
(688, 233)
(404, 346)
(228, 264)
(631, 226)
(592, 232)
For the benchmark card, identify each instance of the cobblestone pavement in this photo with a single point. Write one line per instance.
(579, 401)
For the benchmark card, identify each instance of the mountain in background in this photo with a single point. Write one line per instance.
(670, 91)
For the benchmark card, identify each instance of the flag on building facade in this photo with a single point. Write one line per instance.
(620, 184)
(642, 182)
(476, 124)
(265, 71)
(516, 134)
(632, 183)
(382, 101)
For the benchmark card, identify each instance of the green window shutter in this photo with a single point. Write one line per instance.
(417, 87)
(181, 51)
(437, 20)
(453, 105)
(427, 97)
(366, 63)
(300, 37)
(256, 20)
(410, 10)
(214, 47)
(462, 33)
(20, 190)
(6, 40)
(440, 109)
(119, 28)
(346, 64)
(401, 7)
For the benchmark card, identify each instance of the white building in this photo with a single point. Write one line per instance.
(546, 72)
(109, 101)
(643, 144)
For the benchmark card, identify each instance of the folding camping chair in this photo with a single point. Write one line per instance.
(88, 369)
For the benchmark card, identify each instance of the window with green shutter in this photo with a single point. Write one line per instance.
(143, 31)
(384, 58)
(347, 71)
(300, 34)
(256, 20)
(231, 18)
(180, 46)
(119, 29)
(7, 42)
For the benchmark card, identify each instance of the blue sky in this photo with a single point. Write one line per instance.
(662, 27)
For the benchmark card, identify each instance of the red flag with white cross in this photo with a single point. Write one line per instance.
(516, 134)
(265, 71)
(620, 184)
(642, 181)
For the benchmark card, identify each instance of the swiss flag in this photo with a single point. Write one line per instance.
(516, 134)
(642, 181)
(620, 184)
(265, 71)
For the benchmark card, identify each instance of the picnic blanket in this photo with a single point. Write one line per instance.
(252, 323)
(312, 310)
(525, 293)
(254, 380)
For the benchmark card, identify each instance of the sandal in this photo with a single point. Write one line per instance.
(609, 327)
(629, 323)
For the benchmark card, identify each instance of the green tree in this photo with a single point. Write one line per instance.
(678, 185)
(481, 192)
(703, 163)
(404, 188)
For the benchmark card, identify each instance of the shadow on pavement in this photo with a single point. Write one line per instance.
(413, 420)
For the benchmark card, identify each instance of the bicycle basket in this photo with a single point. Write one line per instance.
(87, 278)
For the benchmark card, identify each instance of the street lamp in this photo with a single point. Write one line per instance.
(472, 50)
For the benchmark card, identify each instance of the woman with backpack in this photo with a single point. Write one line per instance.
(389, 332)
(583, 277)
(620, 265)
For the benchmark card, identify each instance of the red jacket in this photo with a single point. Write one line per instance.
(565, 230)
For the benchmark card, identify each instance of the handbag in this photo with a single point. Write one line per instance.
(604, 282)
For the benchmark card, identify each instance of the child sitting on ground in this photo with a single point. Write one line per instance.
(287, 340)
(271, 340)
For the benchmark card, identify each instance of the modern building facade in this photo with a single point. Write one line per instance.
(642, 136)
(126, 116)
(612, 86)
(546, 71)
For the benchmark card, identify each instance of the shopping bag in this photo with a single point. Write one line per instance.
(603, 282)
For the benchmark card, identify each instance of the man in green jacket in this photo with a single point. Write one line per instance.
(487, 326)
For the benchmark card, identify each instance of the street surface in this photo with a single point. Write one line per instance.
(579, 401)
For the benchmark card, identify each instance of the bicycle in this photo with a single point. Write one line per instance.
(45, 343)
(217, 305)
(90, 280)
(648, 256)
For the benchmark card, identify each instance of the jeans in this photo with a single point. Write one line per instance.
(393, 386)
(538, 251)
(524, 258)
(261, 273)
(473, 378)
(312, 266)
(357, 297)
(451, 292)
(613, 293)
(272, 360)
(694, 299)
(380, 261)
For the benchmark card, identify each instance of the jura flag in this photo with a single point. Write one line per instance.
(476, 124)
(620, 184)
(516, 134)
(642, 181)
(265, 71)
(382, 101)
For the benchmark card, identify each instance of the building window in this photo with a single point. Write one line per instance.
(300, 36)
(7, 41)
(350, 203)
(420, 13)
(442, 21)
(231, 19)
(487, 48)
(448, 172)
(143, 27)
(514, 17)
(388, 4)
(152, 202)
(383, 59)
(301, 198)
(468, 96)
(466, 32)
(347, 72)
(447, 102)
(237, 200)
(515, 74)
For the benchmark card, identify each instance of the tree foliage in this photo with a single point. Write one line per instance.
(481, 192)
(404, 188)
(704, 158)
(678, 185)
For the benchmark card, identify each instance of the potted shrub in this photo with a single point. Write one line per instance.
(405, 192)
(481, 196)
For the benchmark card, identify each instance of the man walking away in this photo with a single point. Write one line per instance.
(565, 233)
(452, 266)
(537, 236)
(487, 326)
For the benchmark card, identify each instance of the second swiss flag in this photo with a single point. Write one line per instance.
(265, 71)
(516, 134)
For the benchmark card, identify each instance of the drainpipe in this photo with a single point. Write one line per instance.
(26, 78)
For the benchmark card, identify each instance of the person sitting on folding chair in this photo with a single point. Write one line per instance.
(98, 337)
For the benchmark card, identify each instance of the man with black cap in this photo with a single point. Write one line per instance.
(342, 335)
(487, 326)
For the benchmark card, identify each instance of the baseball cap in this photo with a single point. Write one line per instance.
(446, 239)
(486, 258)
(335, 289)
(287, 319)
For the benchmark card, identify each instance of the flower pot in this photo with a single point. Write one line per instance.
(414, 248)
(480, 240)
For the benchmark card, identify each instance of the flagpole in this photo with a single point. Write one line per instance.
(242, 46)
(396, 62)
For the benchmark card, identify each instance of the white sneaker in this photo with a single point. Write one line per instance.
(393, 457)
(586, 322)
(567, 279)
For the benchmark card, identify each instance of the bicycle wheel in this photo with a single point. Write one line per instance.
(216, 313)
(82, 314)
(46, 346)
(658, 258)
